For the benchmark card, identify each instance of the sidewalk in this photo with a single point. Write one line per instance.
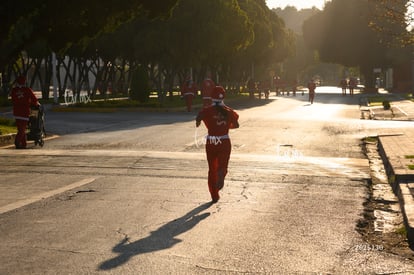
(400, 110)
(397, 152)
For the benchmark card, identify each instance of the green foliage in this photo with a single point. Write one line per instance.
(294, 18)
(223, 36)
(139, 85)
(272, 41)
(294, 68)
(391, 19)
(64, 23)
(4, 101)
(371, 139)
(401, 231)
(7, 121)
(7, 126)
(341, 33)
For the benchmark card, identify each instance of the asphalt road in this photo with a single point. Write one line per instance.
(126, 193)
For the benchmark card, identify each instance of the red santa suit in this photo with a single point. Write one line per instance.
(207, 88)
(22, 98)
(311, 87)
(344, 85)
(352, 85)
(188, 91)
(218, 119)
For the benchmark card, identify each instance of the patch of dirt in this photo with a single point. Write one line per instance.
(382, 226)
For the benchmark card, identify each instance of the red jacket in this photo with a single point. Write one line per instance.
(23, 98)
(216, 123)
(189, 88)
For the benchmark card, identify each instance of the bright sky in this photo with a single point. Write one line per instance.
(299, 4)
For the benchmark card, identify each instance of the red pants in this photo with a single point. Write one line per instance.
(20, 140)
(188, 102)
(218, 159)
(311, 96)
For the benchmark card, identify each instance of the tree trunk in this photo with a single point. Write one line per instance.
(369, 76)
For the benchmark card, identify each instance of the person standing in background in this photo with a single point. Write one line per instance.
(188, 91)
(207, 87)
(22, 98)
(344, 85)
(352, 85)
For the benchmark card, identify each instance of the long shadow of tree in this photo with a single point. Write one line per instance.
(162, 238)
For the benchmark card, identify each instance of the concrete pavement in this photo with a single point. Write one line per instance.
(397, 152)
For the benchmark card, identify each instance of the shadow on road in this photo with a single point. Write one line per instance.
(162, 238)
(248, 103)
(326, 95)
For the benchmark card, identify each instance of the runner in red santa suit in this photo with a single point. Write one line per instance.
(218, 119)
(312, 88)
(188, 91)
(207, 87)
(352, 85)
(22, 98)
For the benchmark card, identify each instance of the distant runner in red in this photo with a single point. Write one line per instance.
(344, 85)
(312, 88)
(22, 98)
(218, 119)
(352, 85)
(188, 91)
(207, 87)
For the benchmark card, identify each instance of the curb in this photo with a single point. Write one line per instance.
(401, 183)
(7, 139)
(407, 206)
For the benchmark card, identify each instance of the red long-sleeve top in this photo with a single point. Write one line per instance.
(23, 98)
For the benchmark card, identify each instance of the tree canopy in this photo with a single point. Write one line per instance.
(390, 17)
(61, 23)
(109, 38)
(342, 34)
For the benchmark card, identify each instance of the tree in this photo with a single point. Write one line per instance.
(272, 41)
(61, 23)
(303, 57)
(394, 19)
(112, 41)
(341, 33)
(294, 18)
(210, 32)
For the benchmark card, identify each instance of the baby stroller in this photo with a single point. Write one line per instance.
(36, 125)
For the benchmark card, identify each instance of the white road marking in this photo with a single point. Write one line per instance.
(38, 197)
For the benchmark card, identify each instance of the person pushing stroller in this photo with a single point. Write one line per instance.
(23, 99)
